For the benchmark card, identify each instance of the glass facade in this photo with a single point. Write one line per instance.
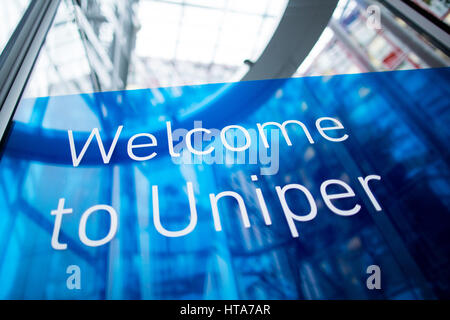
(128, 68)
(393, 137)
(10, 15)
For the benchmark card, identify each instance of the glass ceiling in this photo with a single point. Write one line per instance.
(215, 32)
(102, 45)
(113, 45)
(10, 15)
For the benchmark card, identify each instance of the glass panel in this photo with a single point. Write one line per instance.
(361, 45)
(439, 8)
(10, 14)
(83, 91)
(401, 230)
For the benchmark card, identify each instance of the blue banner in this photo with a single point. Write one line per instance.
(333, 187)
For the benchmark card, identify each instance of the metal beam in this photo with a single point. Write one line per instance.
(437, 35)
(298, 31)
(416, 45)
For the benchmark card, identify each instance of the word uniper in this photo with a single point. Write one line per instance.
(329, 198)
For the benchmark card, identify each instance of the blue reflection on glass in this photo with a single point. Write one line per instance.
(397, 124)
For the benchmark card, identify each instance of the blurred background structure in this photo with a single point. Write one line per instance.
(113, 45)
(175, 47)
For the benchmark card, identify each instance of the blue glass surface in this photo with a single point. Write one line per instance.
(397, 126)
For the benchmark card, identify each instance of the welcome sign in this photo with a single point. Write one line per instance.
(302, 188)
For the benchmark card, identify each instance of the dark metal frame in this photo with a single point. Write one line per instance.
(432, 28)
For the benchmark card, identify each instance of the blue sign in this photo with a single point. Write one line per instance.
(333, 187)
